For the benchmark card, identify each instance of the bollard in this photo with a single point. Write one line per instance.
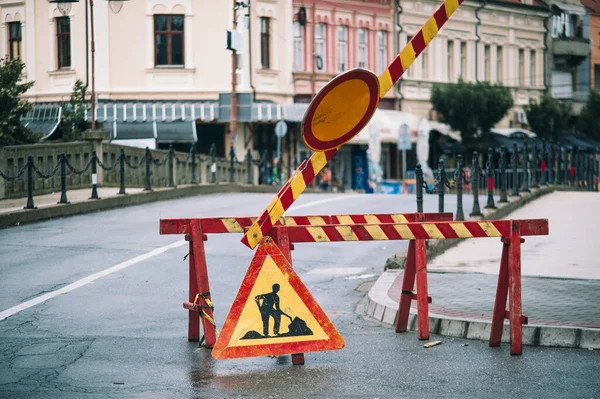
(122, 172)
(194, 181)
(459, 188)
(503, 182)
(63, 179)
(550, 164)
(213, 163)
(30, 204)
(543, 165)
(526, 170)
(534, 164)
(231, 163)
(515, 177)
(249, 166)
(590, 172)
(565, 163)
(263, 168)
(556, 171)
(490, 179)
(95, 176)
(171, 176)
(148, 161)
(419, 187)
(441, 184)
(475, 173)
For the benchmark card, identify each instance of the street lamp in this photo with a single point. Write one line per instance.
(65, 6)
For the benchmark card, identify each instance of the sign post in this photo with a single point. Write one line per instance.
(280, 131)
(403, 145)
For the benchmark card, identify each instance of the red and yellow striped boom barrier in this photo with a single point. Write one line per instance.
(310, 168)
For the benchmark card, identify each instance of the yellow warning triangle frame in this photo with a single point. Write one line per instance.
(244, 313)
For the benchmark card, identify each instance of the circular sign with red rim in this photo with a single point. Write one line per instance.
(341, 109)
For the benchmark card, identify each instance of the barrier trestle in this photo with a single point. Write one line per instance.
(415, 227)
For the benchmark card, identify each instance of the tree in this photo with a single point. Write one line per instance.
(472, 109)
(73, 116)
(12, 106)
(549, 118)
(589, 119)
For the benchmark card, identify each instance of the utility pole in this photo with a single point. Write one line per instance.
(93, 49)
(234, 76)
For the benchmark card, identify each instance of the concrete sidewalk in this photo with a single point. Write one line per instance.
(560, 280)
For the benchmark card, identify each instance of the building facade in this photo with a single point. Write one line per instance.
(593, 27)
(163, 72)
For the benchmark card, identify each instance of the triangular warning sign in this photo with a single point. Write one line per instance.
(274, 313)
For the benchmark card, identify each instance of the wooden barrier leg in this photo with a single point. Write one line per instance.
(514, 276)
(193, 321)
(422, 298)
(281, 239)
(408, 285)
(202, 281)
(501, 297)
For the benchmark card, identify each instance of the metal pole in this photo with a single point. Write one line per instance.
(63, 179)
(441, 182)
(459, 188)
(534, 164)
(122, 172)
(572, 178)
(249, 166)
(233, 123)
(30, 204)
(503, 186)
(515, 178)
(475, 185)
(419, 187)
(213, 164)
(556, 160)
(94, 177)
(93, 51)
(194, 181)
(526, 169)
(231, 163)
(565, 164)
(490, 179)
(148, 161)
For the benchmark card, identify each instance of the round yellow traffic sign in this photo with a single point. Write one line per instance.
(341, 109)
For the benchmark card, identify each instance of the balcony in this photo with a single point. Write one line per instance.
(570, 51)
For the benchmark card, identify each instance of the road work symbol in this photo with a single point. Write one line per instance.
(274, 313)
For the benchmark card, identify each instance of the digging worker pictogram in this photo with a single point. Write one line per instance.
(270, 308)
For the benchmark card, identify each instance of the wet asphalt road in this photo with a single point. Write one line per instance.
(124, 335)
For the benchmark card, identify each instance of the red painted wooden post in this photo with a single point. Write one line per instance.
(501, 297)
(514, 278)
(408, 285)
(422, 301)
(201, 273)
(282, 240)
(194, 320)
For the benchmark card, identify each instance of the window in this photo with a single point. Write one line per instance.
(450, 60)
(362, 47)
(424, 64)
(563, 25)
(381, 51)
(597, 77)
(463, 59)
(532, 68)
(521, 76)
(499, 62)
(486, 63)
(265, 42)
(168, 40)
(14, 40)
(598, 39)
(298, 46)
(320, 49)
(63, 42)
(342, 48)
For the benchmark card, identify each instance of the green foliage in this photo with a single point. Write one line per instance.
(73, 114)
(472, 109)
(12, 106)
(589, 119)
(549, 118)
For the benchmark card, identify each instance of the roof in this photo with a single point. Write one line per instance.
(592, 5)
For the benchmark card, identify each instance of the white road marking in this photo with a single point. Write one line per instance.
(89, 279)
(86, 280)
(360, 276)
(337, 271)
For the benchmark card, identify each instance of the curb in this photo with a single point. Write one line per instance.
(381, 307)
(26, 216)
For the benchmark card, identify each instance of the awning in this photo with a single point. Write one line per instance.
(570, 8)
(388, 123)
(165, 132)
(150, 111)
(514, 133)
(42, 119)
